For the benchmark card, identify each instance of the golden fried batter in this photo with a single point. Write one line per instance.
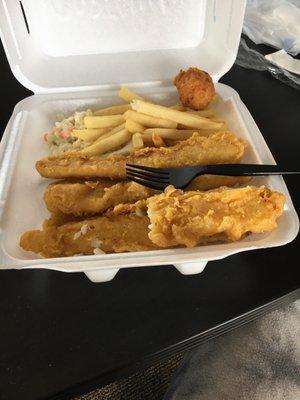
(92, 197)
(208, 182)
(95, 197)
(191, 218)
(176, 218)
(218, 148)
(195, 87)
(58, 218)
(120, 231)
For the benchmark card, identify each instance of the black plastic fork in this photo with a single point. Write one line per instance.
(160, 178)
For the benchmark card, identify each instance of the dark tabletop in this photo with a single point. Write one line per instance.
(61, 334)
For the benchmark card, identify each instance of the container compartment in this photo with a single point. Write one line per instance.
(23, 188)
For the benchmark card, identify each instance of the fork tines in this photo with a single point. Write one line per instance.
(155, 178)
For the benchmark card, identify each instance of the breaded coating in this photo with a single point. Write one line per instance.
(175, 218)
(181, 218)
(92, 197)
(59, 218)
(208, 182)
(217, 148)
(195, 87)
(120, 231)
(95, 197)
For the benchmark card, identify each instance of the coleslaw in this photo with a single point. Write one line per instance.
(60, 139)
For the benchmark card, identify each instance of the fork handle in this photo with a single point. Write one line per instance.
(247, 170)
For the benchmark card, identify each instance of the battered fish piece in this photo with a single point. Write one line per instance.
(125, 229)
(93, 197)
(59, 218)
(175, 218)
(190, 218)
(195, 88)
(218, 148)
(208, 182)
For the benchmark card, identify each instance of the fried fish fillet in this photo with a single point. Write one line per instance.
(175, 218)
(59, 218)
(93, 197)
(191, 218)
(217, 148)
(125, 229)
(208, 182)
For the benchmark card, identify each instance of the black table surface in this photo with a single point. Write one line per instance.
(62, 335)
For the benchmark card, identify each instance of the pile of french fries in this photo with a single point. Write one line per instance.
(142, 124)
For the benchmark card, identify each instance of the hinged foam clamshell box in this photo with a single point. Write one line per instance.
(73, 55)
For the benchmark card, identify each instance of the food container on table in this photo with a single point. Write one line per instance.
(74, 55)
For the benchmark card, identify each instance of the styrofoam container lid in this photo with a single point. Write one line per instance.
(71, 45)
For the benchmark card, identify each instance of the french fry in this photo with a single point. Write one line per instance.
(183, 127)
(203, 113)
(128, 95)
(117, 128)
(113, 110)
(103, 121)
(171, 134)
(108, 144)
(222, 126)
(149, 121)
(137, 141)
(215, 119)
(190, 120)
(157, 140)
(133, 126)
(112, 131)
(89, 135)
(178, 107)
(109, 133)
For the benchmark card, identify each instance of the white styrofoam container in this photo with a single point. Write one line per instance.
(72, 66)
